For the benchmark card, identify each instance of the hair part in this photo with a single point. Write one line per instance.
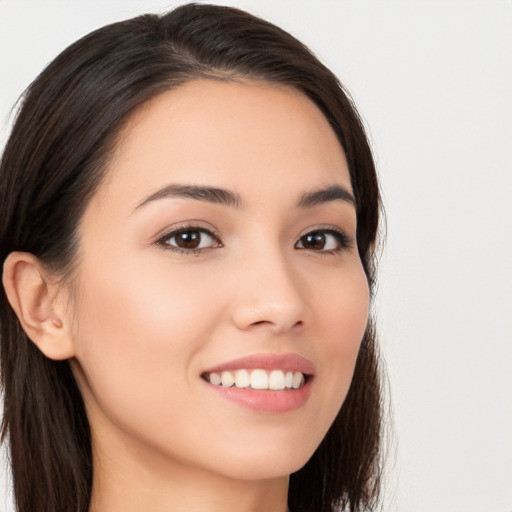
(54, 161)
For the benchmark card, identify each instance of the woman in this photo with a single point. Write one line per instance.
(189, 217)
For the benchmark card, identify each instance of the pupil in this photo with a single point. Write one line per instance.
(314, 241)
(188, 239)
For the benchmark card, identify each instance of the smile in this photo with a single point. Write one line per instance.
(265, 383)
(275, 380)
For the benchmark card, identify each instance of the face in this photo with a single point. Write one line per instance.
(221, 247)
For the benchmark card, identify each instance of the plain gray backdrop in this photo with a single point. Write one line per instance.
(433, 82)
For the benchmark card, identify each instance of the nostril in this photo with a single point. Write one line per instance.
(275, 326)
(278, 317)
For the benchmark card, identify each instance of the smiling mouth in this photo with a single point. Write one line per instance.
(257, 379)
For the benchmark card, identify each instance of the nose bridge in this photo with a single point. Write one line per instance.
(269, 291)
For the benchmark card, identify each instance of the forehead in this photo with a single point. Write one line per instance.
(227, 134)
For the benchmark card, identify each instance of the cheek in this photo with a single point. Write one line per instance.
(343, 313)
(136, 336)
(343, 308)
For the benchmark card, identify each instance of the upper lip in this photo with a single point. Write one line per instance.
(286, 362)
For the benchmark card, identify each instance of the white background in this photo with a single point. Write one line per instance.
(433, 81)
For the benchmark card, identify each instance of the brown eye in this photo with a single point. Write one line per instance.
(323, 240)
(190, 239)
(313, 241)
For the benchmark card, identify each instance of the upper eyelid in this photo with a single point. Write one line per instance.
(173, 231)
(345, 239)
(327, 228)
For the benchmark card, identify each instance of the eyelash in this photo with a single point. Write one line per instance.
(342, 239)
(164, 239)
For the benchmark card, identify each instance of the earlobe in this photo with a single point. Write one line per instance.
(33, 298)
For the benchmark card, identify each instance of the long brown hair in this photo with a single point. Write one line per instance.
(54, 161)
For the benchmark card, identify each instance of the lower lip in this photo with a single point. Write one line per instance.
(266, 400)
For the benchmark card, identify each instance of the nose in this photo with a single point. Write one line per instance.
(270, 296)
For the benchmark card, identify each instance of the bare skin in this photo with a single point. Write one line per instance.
(169, 286)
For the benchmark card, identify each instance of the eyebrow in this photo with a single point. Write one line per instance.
(199, 192)
(325, 195)
(232, 199)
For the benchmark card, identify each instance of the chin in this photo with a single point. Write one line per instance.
(266, 460)
(269, 469)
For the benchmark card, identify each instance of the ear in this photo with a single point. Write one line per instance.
(34, 299)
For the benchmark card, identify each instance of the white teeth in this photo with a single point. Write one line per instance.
(259, 379)
(215, 379)
(227, 379)
(275, 380)
(242, 379)
(298, 380)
